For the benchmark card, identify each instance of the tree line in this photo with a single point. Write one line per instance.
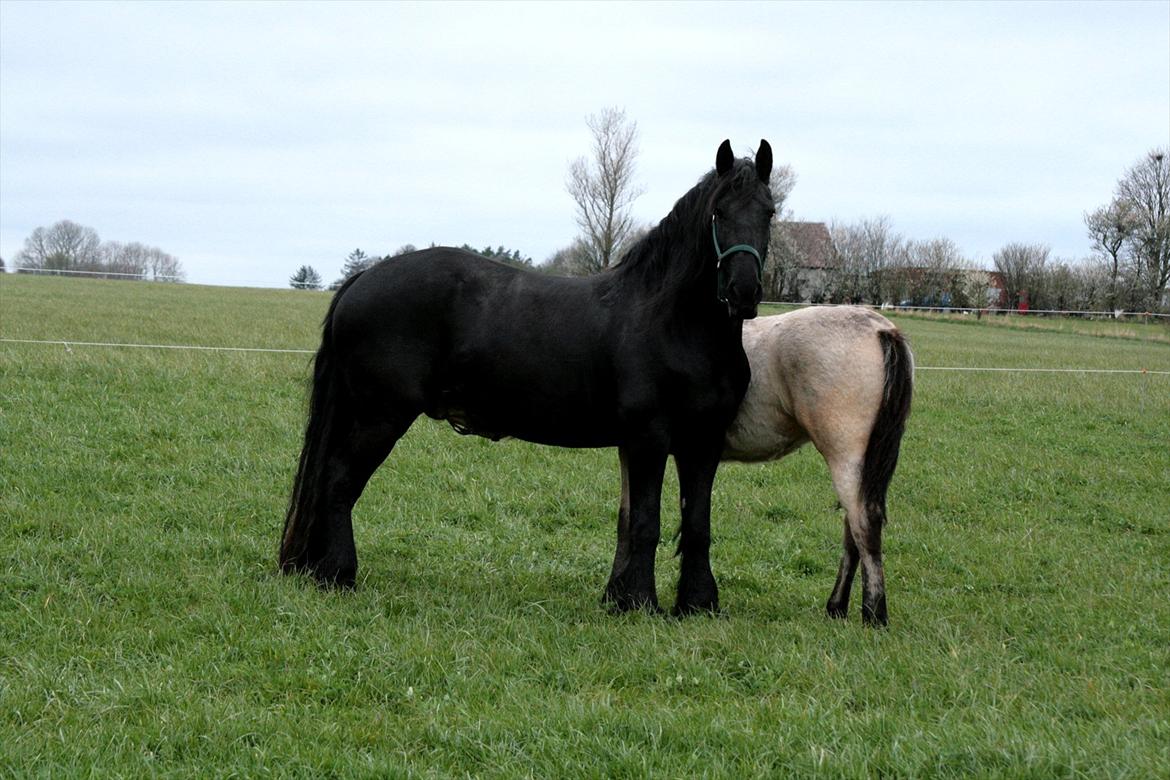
(867, 261)
(67, 247)
(1128, 266)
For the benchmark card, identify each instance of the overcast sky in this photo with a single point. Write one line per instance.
(248, 139)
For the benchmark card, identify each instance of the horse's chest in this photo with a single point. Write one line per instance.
(690, 385)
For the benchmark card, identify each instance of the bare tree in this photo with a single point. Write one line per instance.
(930, 273)
(1145, 189)
(139, 261)
(870, 252)
(66, 246)
(1022, 268)
(123, 261)
(1109, 230)
(781, 183)
(163, 267)
(603, 188)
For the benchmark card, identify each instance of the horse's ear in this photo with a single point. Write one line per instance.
(724, 158)
(764, 161)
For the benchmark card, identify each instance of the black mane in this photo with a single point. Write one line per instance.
(677, 251)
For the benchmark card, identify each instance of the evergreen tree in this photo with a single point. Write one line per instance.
(305, 279)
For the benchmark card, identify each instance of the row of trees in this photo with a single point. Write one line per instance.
(875, 264)
(867, 261)
(1129, 267)
(67, 247)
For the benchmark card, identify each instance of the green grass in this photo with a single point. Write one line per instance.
(1137, 327)
(143, 629)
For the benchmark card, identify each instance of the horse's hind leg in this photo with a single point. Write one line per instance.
(332, 557)
(862, 544)
(838, 606)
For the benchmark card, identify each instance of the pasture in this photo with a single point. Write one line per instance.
(144, 629)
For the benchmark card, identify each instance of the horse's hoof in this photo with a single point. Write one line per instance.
(837, 611)
(628, 602)
(342, 576)
(875, 616)
(682, 610)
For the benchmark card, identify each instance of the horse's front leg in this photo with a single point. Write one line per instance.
(631, 583)
(697, 591)
(621, 556)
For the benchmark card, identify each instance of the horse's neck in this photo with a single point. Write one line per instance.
(694, 290)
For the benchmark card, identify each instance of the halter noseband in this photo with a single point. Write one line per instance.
(722, 253)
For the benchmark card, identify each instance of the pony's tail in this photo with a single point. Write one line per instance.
(328, 416)
(881, 454)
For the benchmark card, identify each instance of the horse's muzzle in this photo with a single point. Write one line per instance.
(742, 311)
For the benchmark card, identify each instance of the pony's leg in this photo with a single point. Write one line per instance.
(863, 544)
(697, 591)
(621, 556)
(332, 557)
(632, 587)
(838, 606)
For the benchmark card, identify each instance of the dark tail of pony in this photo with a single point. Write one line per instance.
(328, 418)
(881, 454)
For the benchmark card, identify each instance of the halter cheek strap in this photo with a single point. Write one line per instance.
(722, 253)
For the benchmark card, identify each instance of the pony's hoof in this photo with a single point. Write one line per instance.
(837, 611)
(875, 616)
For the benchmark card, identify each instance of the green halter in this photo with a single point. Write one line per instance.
(722, 253)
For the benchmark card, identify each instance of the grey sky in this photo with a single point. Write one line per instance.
(250, 139)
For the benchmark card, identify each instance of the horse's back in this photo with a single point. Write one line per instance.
(817, 374)
(497, 350)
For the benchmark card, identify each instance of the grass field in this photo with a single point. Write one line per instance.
(143, 629)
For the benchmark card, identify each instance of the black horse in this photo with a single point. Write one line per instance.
(646, 356)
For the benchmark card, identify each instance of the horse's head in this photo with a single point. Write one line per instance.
(741, 210)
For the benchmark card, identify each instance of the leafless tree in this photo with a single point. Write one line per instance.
(930, 273)
(781, 183)
(603, 187)
(123, 261)
(66, 246)
(870, 252)
(163, 267)
(1109, 230)
(1145, 189)
(1022, 268)
(137, 260)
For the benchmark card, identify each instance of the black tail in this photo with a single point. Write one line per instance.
(328, 417)
(881, 454)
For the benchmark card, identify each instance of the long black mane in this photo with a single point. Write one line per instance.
(678, 251)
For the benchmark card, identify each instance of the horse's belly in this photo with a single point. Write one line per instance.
(567, 418)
